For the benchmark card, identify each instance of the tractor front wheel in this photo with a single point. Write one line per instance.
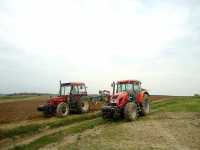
(130, 111)
(62, 109)
(83, 106)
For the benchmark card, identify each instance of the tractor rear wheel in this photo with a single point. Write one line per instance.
(130, 111)
(145, 108)
(62, 109)
(83, 106)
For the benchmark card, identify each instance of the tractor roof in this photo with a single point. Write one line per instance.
(127, 81)
(72, 83)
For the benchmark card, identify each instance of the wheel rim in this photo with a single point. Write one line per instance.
(85, 106)
(64, 110)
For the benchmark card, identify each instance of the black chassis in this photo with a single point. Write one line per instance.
(47, 109)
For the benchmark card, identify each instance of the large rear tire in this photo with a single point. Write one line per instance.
(130, 111)
(83, 106)
(145, 108)
(62, 109)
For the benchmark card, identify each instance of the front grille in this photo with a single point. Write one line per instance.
(113, 104)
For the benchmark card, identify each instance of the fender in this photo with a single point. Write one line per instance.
(121, 99)
(57, 100)
(140, 96)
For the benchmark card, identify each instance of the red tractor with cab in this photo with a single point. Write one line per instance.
(129, 101)
(72, 98)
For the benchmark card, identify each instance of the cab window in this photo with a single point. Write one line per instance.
(74, 90)
(137, 87)
(65, 90)
(82, 89)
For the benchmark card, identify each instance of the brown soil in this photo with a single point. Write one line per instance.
(20, 110)
(16, 111)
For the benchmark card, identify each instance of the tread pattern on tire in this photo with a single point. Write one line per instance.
(79, 106)
(129, 109)
(59, 112)
(143, 112)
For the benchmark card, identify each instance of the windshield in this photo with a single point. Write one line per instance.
(65, 90)
(72, 89)
(82, 89)
(124, 87)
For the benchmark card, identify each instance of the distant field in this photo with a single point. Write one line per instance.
(21, 98)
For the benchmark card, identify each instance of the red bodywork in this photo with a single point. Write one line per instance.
(71, 98)
(122, 98)
(58, 99)
(127, 81)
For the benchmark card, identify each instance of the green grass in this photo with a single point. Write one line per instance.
(21, 130)
(58, 136)
(35, 128)
(178, 104)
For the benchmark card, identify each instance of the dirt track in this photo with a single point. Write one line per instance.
(160, 131)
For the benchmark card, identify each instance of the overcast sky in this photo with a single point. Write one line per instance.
(98, 41)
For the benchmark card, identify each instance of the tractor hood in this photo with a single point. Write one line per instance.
(120, 99)
(58, 99)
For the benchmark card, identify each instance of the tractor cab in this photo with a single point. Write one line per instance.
(72, 88)
(131, 87)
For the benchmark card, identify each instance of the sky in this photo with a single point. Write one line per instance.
(100, 41)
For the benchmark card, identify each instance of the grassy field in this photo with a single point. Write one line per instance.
(173, 124)
(27, 130)
(178, 104)
(176, 122)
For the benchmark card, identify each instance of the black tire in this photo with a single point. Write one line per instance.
(145, 107)
(48, 111)
(130, 111)
(104, 115)
(62, 109)
(83, 106)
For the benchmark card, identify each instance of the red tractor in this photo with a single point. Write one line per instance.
(72, 98)
(129, 100)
